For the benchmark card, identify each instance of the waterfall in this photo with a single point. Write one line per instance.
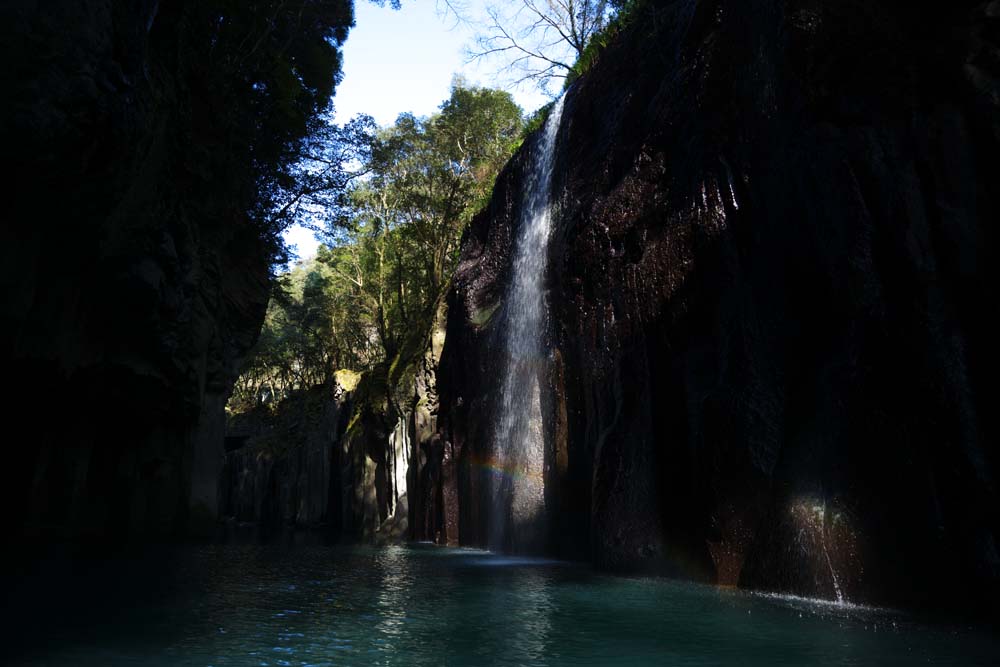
(833, 574)
(813, 523)
(826, 554)
(518, 487)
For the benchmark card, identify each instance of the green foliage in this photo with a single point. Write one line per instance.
(431, 175)
(261, 76)
(536, 120)
(626, 12)
(367, 301)
(427, 177)
(306, 337)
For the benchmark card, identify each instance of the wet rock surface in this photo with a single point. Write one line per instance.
(771, 326)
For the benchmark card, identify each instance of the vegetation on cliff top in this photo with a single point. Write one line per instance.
(537, 41)
(264, 72)
(393, 203)
(392, 247)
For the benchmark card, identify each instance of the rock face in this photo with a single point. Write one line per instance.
(351, 459)
(281, 469)
(387, 494)
(132, 281)
(771, 331)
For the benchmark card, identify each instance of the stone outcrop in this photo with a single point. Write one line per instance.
(281, 468)
(771, 328)
(351, 459)
(384, 452)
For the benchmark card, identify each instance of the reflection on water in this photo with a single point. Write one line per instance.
(421, 605)
(523, 609)
(390, 620)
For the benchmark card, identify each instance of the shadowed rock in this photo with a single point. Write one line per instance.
(769, 289)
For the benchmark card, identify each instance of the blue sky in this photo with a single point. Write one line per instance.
(398, 61)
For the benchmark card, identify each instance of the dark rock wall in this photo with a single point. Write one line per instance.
(389, 492)
(351, 459)
(772, 328)
(132, 282)
(285, 470)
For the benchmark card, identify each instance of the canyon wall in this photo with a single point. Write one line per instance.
(281, 464)
(347, 460)
(771, 329)
(134, 280)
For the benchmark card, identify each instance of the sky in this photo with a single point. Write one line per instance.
(404, 60)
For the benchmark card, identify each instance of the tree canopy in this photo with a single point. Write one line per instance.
(539, 41)
(393, 243)
(264, 71)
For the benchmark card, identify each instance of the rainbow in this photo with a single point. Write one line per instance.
(497, 468)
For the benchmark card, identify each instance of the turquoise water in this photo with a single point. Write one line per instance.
(423, 605)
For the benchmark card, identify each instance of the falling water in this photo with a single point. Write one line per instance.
(814, 530)
(826, 554)
(518, 441)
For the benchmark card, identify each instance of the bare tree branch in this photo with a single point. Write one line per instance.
(538, 40)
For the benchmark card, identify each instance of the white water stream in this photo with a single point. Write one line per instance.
(518, 439)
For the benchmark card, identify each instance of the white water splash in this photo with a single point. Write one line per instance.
(814, 529)
(518, 440)
(833, 573)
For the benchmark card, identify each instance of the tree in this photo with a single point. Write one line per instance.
(433, 174)
(264, 72)
(314, 191)
(539, 41)
(426, 179)
(393, 243)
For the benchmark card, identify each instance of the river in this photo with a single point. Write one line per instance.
(426, 605)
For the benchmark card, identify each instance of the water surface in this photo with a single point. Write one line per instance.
(424, 605)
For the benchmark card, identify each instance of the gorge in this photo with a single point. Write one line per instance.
(710, 351)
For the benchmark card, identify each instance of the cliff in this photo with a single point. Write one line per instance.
(771, 329)
(280, 466)
(134, 276)
(351, 459)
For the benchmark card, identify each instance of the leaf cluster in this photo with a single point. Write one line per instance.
(264, 72)
(625, 14)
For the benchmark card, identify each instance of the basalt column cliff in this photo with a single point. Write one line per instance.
(771, 326)
(140, 141)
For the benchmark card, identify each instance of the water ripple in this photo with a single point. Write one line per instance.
(423, 606)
